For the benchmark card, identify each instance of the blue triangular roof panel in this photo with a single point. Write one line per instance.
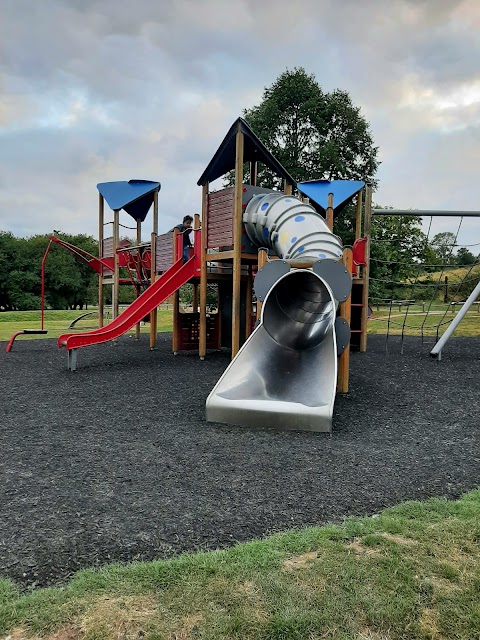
(134, 196)
(343, 192)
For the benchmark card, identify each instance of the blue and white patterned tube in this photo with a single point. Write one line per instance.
(293, 229)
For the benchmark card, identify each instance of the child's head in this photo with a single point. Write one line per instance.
(187, 221)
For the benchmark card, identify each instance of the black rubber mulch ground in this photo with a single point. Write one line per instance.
(115, 462)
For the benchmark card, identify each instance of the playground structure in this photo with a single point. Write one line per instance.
(292, 300)
(250, 240)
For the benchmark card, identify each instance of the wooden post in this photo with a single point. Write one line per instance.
(202, 343)
(195, 298)
(358, 216)
(237, 242)
(287, 188)
(196, 225)
(329, 212)
(176, 297)
(139, 240)
(153, 270)
(358, 222)
(253, 173)
(101, 220)
(262, 261)
(248, 305)
(345, 312)
(116, 270)
(367, 221)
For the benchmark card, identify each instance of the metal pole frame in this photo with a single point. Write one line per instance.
(423, 212)
(436, 352)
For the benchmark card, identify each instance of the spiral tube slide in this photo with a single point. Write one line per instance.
(293, 229)
(285, 375)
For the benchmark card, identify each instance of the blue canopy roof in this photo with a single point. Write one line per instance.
(343, 192)
(135, 196)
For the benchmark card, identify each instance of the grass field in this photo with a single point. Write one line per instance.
(57, 322)
(416, 317)
(413, 572)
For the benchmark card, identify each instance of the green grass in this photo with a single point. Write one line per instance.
(411, 573)
(57, 323)
(469, 326)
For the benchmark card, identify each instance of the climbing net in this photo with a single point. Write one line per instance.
(420, 274)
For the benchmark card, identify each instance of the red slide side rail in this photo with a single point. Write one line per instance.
(178, 275)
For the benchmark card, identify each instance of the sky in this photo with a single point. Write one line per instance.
(103, 90)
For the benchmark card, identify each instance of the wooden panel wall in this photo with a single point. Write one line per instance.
(164, 253)
(220, 218)
(107, 251)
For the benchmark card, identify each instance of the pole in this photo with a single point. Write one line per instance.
(358, 222)
(176, 297)
(253, 173)
(153, 270)
(423, 212)
(196, 225)
(101, 220)
(248, 305)
(329, 212)
(436, 352)
(116, 269)
(139, 241)
(202, 341)
(345, 312)
(262, 261)
(43, 283)
(237, 242)
(367, 220)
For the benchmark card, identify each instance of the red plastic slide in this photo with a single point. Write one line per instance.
(178, 275)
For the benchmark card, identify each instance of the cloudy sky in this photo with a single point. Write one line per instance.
(99, 90)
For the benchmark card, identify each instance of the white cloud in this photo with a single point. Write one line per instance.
(98, 90)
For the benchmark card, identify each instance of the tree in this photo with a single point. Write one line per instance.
(313, 134)
(397, 254)
(69, 283)
(465, 257)
(8, 263)
(443, 245)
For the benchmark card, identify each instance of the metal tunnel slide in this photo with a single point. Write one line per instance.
(285, 374)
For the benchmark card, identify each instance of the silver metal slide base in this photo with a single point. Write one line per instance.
(271, 386)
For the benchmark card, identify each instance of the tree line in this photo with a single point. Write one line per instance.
(69, 282)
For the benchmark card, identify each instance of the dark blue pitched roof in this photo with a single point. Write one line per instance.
(135, 196)
(253, 151)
